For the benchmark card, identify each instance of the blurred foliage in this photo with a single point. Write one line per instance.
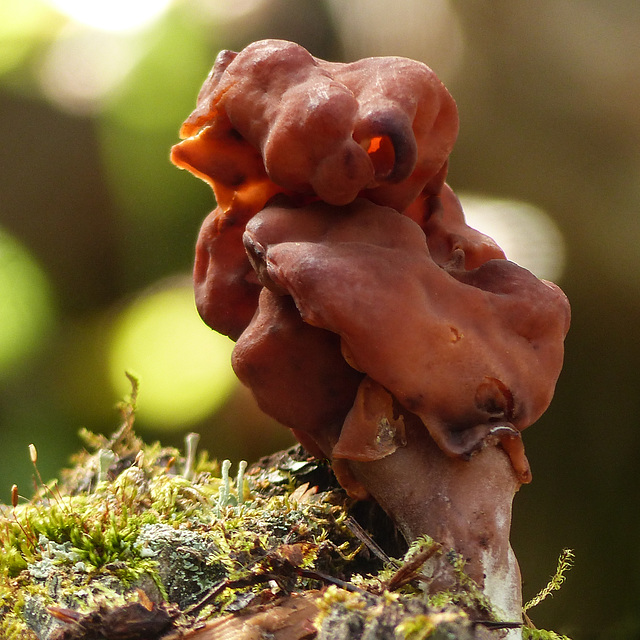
(185, 365)
(548, 94)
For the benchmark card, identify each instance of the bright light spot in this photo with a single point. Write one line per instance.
(112, 15)
(25, 303)
(526, 234)
(82, 68)
(184, 367)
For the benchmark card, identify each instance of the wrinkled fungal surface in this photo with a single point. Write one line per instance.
(369, 317)
(273, 118)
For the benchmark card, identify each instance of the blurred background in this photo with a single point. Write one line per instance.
(97, 232)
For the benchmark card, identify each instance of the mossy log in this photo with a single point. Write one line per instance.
(142, 542)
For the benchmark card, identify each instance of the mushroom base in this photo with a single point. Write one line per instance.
(463, 504)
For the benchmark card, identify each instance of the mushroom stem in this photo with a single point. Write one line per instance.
(463, 504)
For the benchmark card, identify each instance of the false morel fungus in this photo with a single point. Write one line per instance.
(389, 336)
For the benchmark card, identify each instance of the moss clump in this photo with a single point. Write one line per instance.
(143, 541)
(130, 517)
(540, 634)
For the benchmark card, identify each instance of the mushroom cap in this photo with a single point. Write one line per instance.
(296, 372)
(339, 259)
(449, 237)
(474, 353)
(382, 127)
(225, 286)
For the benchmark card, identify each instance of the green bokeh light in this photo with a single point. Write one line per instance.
(183, 366)
(25, 303)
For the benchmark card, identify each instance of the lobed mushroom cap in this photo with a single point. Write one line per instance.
(274, 118)
(225, 286)
(296, 372)
(474, 353)
(342, 264)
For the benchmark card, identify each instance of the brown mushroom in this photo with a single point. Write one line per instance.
(296, 372)
(226, 289)
(370, 318)
(458, 363)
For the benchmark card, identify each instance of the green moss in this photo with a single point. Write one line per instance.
(540, 634)
(424, 626)
(565, 562)
(130, 516)
(130, 519)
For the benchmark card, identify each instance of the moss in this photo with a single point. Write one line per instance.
(565, 562)
(132, 516)
(540, 634)
(132, 523)
(424, 626)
